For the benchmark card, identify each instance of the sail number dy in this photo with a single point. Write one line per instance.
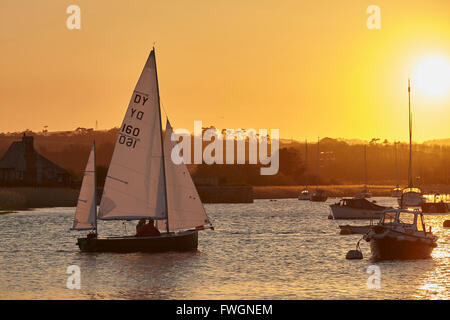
(128, 134)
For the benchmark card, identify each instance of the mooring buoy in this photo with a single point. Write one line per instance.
(446, 224)
(330, 217)
(354, 254)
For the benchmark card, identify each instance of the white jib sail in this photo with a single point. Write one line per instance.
(134, 186)
(185, 208)
(85, 212)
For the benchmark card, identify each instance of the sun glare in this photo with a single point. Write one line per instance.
(432, 77)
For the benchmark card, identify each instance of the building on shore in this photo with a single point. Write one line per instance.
(21, 165)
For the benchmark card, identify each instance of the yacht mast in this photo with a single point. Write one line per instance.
(410, 183)
(306, 162)
(95, 187)
(317, 164)
(365, 167)
(162, 147)
(396, 164)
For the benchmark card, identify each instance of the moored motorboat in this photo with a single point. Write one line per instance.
(356, 208)
(401, 234)
(304, 194)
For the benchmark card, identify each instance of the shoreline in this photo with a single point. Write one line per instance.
(25, 198)
(333, 191)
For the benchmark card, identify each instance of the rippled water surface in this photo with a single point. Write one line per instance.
(284, 249)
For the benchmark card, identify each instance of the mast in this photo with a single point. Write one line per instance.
(410, 184)
(317, 164)
(396, 164)
(306, 162)
(95, 188)
(365, 167)
(162, 147)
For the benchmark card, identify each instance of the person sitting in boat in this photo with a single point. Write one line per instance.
(139, 227)
(147, 230)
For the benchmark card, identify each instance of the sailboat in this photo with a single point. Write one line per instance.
(143, 182)
(411, 196)
(319, 195)
(397, 191)
(305, 194)
(365, 193)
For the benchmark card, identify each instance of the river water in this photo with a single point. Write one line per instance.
(284, 249)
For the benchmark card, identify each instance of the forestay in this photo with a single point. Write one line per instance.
(134, 186)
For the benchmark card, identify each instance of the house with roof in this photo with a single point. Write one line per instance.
(21, 165)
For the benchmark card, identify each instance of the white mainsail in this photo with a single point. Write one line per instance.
(185, 209)
(85, 214)
(135, 186)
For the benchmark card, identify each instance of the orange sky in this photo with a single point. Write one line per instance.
(308, 68)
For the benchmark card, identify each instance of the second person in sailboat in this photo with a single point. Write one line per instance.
(146, 230)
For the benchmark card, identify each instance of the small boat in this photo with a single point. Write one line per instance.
(396, 192)
(435, 208)
(434, 204)
(319, 196)
(365, 193)
(411, 197)
(142, 182)
(355, 229)
(305, 194)
(401, 234)
(356, 208)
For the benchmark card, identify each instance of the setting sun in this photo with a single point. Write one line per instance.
(432, 76)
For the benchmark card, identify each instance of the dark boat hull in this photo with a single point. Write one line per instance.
(355, 229)
(389, 248)
(183, 241)
(319, 198)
